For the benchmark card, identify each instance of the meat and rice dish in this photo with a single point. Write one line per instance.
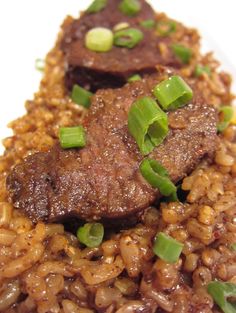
(102, 70)
(118, 191)
(99, 181)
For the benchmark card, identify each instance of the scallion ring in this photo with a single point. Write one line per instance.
(173, 93)
(172, 198)
(130, 7)
(233, 246)
(226, 115)
(72, 137)
(200, 70)
(134, 78)
(148, 23)
(40, 65)
(165, 28)
(147, 123)
(182, 52)
(220, 291)
(99, 39)
(81, 96)
(128, 38)
(120, 26)
(157, 176)
(96, 6)
(91, 234)
(167, 248)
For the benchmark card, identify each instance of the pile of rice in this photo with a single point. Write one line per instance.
(44, 269)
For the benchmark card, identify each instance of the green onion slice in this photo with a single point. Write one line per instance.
(40, 65)
(81, 96)
(227, 112)
(157, 176)
(182, 52)
(96, 6)
(167, 248)
(91, 234)
(99, 39)
(233, 246)
(220, 292)
(130, 7)
(200, 70)
(173, 93)
(165, 28)
(72, 137)
(134, 78)
(120, 26)
(148, 23)
(173, 197)
(147, 123)
(128, 38)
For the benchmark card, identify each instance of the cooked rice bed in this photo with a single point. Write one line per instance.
(43, 268)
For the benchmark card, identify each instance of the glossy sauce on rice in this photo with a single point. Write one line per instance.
(44, 268)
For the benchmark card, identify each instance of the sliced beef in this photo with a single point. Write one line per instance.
(103, 70)
(103, 179)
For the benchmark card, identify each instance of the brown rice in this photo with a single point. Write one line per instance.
(43, 268)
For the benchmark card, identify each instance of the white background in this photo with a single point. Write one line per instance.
(28, 29)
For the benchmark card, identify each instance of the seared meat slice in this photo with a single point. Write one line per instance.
(103, 179)
(103, 70)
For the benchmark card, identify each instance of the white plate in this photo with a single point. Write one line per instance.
(28, 30)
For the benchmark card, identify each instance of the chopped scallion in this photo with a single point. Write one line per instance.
(182, 52)
(173, 197)
(220, 292)
(157, 176)
(128, 38)
(134, 78)
(130, 7)
(99, 39)
(233, 247)
(120, 26)
(40, 65)
(173, 93)
(165, 28)
(72, 137)
(96, 6)
(81, 96)
(233, 119)
(148, 23)
(147, 123)
(226, 114)
(167, 248)
(91, 234)
(200, 70)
